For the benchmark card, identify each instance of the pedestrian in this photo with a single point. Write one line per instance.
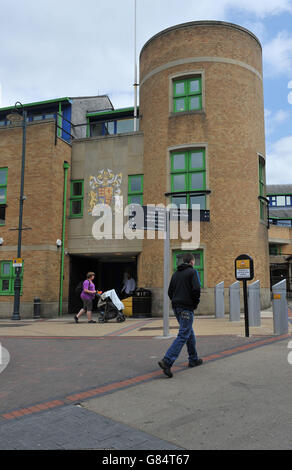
(184, 292)
(129, 285)
(87, 296)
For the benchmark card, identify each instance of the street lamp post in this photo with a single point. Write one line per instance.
(13, 117)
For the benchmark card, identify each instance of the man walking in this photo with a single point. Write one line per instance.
(184, 292)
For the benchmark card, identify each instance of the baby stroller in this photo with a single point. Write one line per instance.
(109, 306)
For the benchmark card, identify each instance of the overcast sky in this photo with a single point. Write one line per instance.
(58, 48)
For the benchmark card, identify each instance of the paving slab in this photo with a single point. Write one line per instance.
(66, 327)
(241, 402)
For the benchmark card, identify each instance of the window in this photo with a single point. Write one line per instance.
(274, 249)
(280, 200)
(7, 277)
(199, 262)
(76, 198)
(262, 187)
(188, 173)
(135, 189)
(187, 94)
(120, 126)
(3, 194)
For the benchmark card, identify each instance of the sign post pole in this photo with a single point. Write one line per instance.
(244, 271)
(246, 322)
(166, 276)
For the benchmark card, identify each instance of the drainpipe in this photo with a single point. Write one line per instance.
(66, 168)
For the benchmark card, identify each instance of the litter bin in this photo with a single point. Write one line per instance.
(36, 307)
(142, 302)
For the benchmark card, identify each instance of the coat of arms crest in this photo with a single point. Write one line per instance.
(105, 188)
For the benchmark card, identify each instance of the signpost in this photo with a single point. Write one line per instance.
(155, 218)
(244, 271)
(158, 219)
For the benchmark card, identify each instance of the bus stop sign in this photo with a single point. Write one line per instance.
(244, 270)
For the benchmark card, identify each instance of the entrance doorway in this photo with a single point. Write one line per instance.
(109, 273)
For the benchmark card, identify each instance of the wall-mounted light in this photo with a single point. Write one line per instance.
(1, 241)
(59, 243)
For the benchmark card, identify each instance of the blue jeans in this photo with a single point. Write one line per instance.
(185, 335)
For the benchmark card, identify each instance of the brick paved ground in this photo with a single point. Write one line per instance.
(72, 427)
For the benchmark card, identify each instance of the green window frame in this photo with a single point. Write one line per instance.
(135, 189)
(188, 173)
(7, 277)
(262, 189)
(187, 94)
(76, 198)
(275, 249)
(3, 194)
(199, 261)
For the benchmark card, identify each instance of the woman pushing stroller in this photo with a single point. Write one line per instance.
(87, 296)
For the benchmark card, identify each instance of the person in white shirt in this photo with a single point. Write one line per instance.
(129, 286)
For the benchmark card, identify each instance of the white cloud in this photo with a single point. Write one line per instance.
(279, 162)
(262, 8)
(274, 120)
(277, 55)
(290, 93)
(71, 48)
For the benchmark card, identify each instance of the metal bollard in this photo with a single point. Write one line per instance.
(280, 308)
(234, 301)
(36, 307)
(219, 300)
(254, 304)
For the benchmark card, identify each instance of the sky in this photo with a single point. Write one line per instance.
(57, 48)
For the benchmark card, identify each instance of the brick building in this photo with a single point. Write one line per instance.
(200, 141)
(280, 233)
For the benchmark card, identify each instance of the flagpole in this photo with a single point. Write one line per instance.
(135, 67)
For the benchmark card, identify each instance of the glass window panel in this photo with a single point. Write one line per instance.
(281, 200)
(3, 173)
(178, 200)
(197, 160)
(197, 180)
(179, 161)
(49, 116)
(179, 182)
(2, 195)
(2, 123)
(76, 207)
(194, 86)
(135, 200)
(136, 184)
(179, 88)
(2, 214)
(125, 125)
(195, 102)
(109, 128)
(96, 129)
(5, 285)
(180, 104)
(77, 189)
(6, 269)
(198, 200)
(179, 259)
(39, 117)
(284, 223)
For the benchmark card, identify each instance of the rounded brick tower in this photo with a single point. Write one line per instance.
(202, 115)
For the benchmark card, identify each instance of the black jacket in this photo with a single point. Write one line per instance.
(184, 288)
